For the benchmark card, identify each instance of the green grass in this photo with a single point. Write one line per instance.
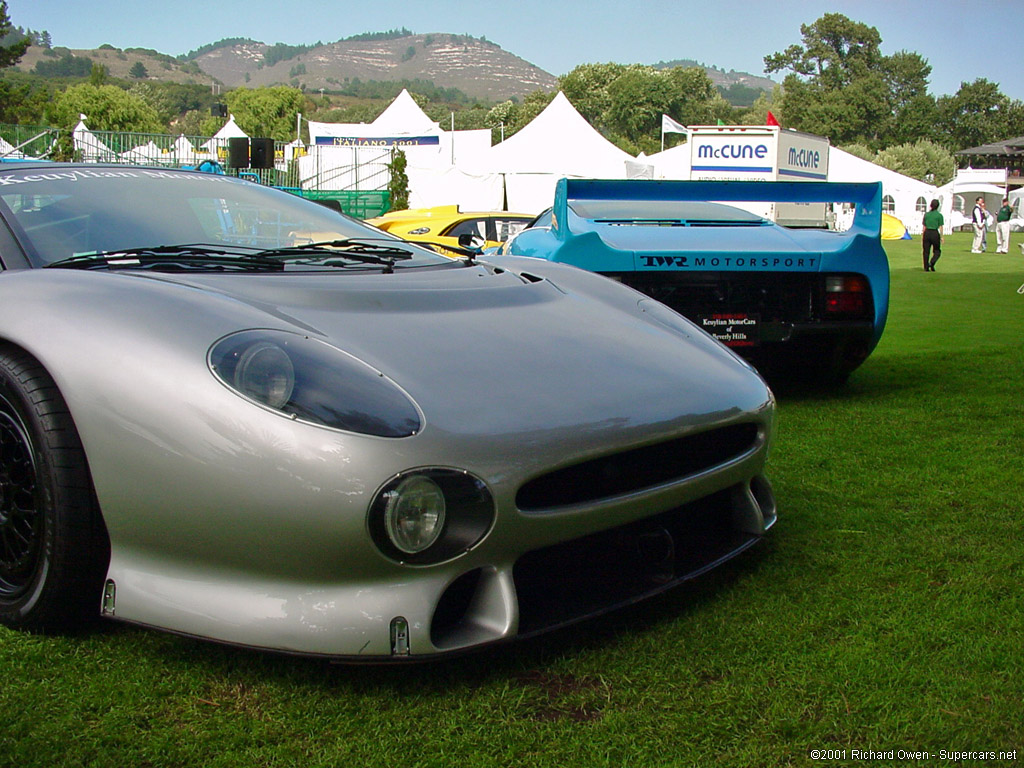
(883, 612)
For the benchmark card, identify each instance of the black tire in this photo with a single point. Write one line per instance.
(54, 549)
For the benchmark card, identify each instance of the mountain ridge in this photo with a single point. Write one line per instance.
(477, 67)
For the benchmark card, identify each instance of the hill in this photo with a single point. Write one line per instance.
(63, 62)
(477, 67)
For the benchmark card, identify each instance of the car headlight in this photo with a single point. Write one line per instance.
(430, 515)
(414, 514)
(266, 374)
(307, 380)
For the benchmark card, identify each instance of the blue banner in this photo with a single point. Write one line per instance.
(379, 141)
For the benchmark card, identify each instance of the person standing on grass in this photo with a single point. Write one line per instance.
(979, 220)
(931, 239)
(1003, 227)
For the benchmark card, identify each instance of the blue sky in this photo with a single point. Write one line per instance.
(962, 41)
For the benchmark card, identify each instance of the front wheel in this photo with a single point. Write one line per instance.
(53, 547)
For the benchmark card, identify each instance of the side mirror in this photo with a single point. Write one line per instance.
(472, 242)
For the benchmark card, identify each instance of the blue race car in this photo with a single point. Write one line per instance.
(797, 303)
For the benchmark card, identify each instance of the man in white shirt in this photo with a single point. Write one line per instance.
(979, 220)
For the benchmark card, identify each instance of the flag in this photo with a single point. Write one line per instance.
(721, 122)
(770, 119)
(668, 125)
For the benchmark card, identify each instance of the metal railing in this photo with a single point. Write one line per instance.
(358, 187)
(19, 142)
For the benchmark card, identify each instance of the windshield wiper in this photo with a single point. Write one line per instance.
(340, 253)
(186, 256)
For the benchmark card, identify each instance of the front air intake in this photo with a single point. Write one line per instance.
(638, 469)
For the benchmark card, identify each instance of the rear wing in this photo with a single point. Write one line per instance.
(865, 197)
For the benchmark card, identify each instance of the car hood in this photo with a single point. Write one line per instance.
(498, 360)
(484, 350)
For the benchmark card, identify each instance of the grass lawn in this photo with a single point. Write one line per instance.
(884, 612)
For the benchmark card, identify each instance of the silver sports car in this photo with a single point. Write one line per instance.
(232, 413)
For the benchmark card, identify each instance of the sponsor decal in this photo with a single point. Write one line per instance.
(728, 262)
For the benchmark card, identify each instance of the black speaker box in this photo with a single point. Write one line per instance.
(261, 153)
(238, 152)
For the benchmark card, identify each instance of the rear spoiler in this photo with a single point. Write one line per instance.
(867, 197)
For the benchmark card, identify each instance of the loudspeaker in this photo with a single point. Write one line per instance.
(238, 152)
(261, 153)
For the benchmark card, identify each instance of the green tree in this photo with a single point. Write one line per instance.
(835, 52)
(398, 181)
(861, 151)
(106, 107)
(138, 71)
(924, 160)
(267, 112)
(625, 102)
(586, 88)
(841, 86)
(99, 74)
(10, 54)
(978, 113)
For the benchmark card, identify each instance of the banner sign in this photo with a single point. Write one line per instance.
(379, 141)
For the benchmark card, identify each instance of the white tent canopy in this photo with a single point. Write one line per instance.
(909, 197)
(355, 155)
(218, 144)
(558, 142)
(958, 198)
(90, 148)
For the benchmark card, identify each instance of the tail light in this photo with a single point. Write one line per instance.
(847, 297)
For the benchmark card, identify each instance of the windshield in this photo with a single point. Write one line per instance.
(71, 211)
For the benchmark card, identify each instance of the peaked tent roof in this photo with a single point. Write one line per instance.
(230, 130)
(561, 142)
(843, 166)
(404, 116)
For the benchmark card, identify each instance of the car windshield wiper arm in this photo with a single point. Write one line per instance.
(190, 256)
(340, 253)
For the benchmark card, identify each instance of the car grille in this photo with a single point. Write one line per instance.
(775, 297)
(638, 469)
(587, 576)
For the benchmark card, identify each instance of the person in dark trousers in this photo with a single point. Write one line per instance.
(931, 239)
(1003, 227)
(979, 220)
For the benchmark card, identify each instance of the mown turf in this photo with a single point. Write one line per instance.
(884, 611)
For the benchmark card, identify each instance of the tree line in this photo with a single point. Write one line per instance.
(837, 83)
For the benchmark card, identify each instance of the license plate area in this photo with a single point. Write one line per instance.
(734, 329)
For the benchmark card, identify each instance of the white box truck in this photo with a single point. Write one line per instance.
(762, 153)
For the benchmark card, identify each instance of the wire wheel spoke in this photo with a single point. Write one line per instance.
(21, 521)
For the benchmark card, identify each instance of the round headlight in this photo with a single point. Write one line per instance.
(414, 514)
(266, 374)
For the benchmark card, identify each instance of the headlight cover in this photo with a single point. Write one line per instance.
(430, 515)
(311, 381)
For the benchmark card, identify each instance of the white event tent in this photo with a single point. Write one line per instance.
(355, 155)
(909, 198)
(558, 142)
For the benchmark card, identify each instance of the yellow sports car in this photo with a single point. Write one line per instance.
(444, 225)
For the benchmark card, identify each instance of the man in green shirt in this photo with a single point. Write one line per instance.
(1003, 227)
(931, 239)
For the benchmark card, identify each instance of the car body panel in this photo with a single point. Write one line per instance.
(655, 246)
(443, 225)
(230, 521)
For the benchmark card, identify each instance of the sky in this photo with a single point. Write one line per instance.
(962, 41)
